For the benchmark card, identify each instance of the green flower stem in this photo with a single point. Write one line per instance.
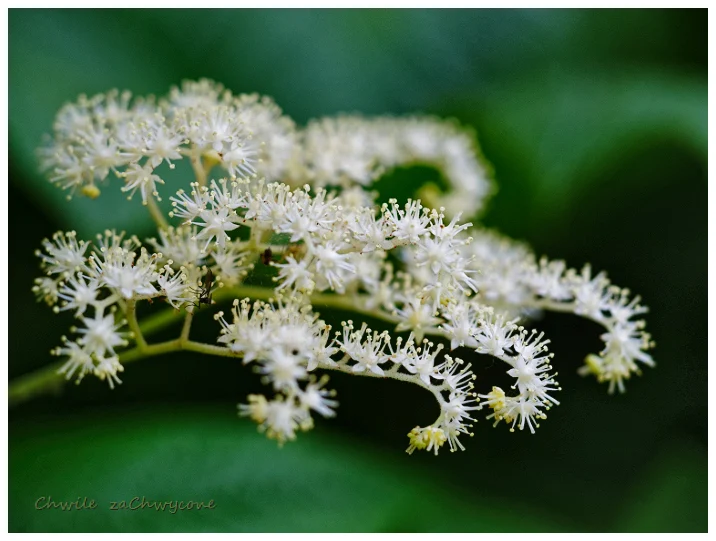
(159, 320)
(131, 314)
(177, 344)
(165, 318)
(156, 213)
(389, 374)
(47, 380)
(199, 168)
(187, 326)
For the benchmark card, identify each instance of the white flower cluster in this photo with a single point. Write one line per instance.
(131, 137)
(287, 342)
(248, 135)
(349, 150)
(514, 280)
(113, 274)
(96, 281)
(298, 202)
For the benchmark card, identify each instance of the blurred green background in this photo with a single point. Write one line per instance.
(595, 122)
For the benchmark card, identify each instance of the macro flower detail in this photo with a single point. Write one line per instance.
(281, 225)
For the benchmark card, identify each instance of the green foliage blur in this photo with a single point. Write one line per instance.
(595, 123)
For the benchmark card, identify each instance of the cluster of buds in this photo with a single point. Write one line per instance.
(299, 201)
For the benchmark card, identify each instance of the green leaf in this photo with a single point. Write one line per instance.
(672, 495)
(555, 134)
(203, 453)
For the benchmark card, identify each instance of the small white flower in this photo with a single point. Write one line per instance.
(495, 335)
(180, 245)
(422, 362)
(458, 406)
(515, 411)
(247, 334)
(548, 280)
(46, 289)
(107, 368)
(175, 287)
(100, 335)
(429, 439)
(78, 292)
(64, 255)
(332, 266)
(304, 216)
(322, 350)
(142, 178)
(78, 360)
(216, 223)
(627, 339)
(240, 159)
(416, 316)
(410, 223)
(283, 369)
(457, 375)
(295, 275)
(189, 207)
(461, 325)
(317, 398)
(453, 430)
(365, 347)
(162, 144)
(590, 295)
(282, 419)
(129, 277)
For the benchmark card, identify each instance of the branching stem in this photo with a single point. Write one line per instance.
(47, 379)
(131, 313)
(156, 213)
(199, 170)
(186, 329)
